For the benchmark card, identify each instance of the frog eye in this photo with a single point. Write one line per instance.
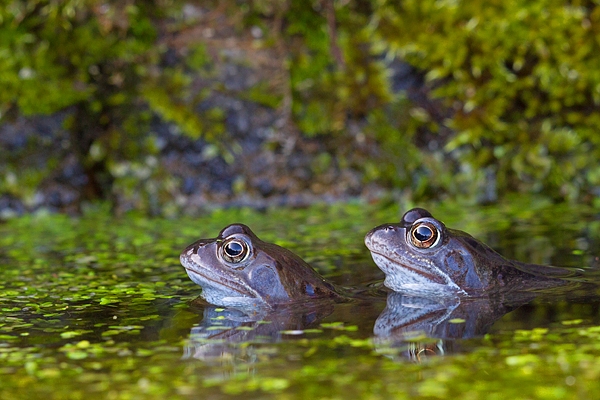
(424, 235)
(235, 250)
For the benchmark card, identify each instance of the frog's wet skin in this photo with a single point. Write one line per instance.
(421, 256)
(237, 269)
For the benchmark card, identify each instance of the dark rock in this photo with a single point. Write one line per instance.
(404, 76)
(264, 187)
(11, 206)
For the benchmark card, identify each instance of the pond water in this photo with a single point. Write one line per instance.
(99, 307)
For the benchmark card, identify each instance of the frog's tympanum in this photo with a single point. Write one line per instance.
(421, 256)
(238, 269)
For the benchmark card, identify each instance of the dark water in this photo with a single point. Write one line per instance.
(99, 307)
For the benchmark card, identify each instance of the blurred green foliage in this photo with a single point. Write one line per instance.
(514, 88)
(509, 102)
(511, 91)
(522, 82)
(91, 57)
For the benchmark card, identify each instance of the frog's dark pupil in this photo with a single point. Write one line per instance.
(423, 233)
(234, 249)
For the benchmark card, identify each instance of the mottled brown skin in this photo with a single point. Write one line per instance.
(263, 275)
(449, 262)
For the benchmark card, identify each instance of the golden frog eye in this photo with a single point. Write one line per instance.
(424, 235)
(235, 250)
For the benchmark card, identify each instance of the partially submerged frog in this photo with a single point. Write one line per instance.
(421, 256)
(237, 269)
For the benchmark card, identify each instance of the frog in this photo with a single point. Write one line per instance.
(237, 269)
(421, 256)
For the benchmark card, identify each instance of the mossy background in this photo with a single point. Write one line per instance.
(424, 99)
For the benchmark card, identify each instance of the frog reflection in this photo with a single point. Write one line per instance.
(421, 326)
(228, 334)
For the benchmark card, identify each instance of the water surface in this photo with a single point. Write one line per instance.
(99, 307)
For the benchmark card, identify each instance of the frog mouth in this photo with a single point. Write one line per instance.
(399, 266)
